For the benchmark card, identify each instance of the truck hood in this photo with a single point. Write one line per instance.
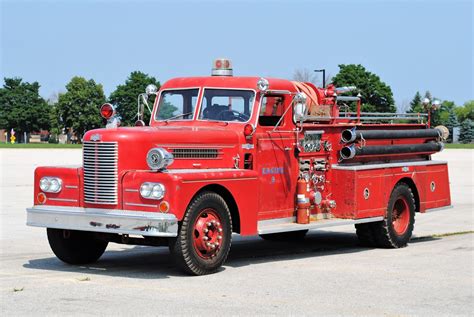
(134, 144)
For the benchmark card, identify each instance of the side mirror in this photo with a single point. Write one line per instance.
(299, 108)
(142, 102)
(151, 89)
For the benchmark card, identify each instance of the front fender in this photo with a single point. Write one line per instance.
(183, 185)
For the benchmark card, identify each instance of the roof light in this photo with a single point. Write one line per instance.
(107, 111)
(262, 85)
(222, 67)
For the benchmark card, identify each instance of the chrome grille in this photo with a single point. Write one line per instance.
(195, 153)
(100, 172)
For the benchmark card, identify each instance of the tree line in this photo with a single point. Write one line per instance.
(77, 109)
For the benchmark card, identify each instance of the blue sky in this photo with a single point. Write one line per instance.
(411, 45)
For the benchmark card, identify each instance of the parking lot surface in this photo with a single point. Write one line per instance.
(327, 274)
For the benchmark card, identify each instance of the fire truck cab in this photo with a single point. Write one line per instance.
(246, 155)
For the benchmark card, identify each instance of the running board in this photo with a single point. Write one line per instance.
(289, 224)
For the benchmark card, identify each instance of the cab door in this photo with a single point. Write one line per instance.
(276, 160)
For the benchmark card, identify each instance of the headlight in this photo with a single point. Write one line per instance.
(158, 159)
(51, 184)
(152, 190)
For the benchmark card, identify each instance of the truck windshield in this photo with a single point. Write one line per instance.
(227, 105)
(177, 104)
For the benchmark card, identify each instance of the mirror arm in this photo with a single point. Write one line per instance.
(283, 115)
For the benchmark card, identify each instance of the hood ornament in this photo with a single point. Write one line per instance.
(95, 137)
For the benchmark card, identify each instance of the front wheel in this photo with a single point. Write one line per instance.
(205, 235)
(76, 247)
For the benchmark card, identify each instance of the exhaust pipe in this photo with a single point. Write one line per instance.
(350, 135)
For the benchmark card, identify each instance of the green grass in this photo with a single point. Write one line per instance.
(448, 234)
(459, 146)
(39, 146)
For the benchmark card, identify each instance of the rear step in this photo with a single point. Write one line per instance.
(289, 224)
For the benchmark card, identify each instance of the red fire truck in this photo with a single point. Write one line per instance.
(245, 155)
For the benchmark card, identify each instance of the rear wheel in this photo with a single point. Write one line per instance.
(285, 236)
(205, 235)
(396, 229)
(76, 247)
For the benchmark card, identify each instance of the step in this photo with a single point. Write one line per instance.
(289, 224)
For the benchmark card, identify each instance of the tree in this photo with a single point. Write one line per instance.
(22, 108)
(78, 108)
(467, 131)
(416, 105)
(125, 96)
(376, 95)
(304, 75)
(466, 111)
(451, 123)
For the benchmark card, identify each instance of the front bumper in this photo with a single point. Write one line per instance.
(103, 220)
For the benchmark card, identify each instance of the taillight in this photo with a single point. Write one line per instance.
(107, 111)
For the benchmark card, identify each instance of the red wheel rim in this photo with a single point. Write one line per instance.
(400, 215)
(208, 233)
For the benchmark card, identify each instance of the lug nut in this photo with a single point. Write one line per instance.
(208, 244)
(220, 229)
(217, 243)
(218, 224)
(206, 238)
(209, 224)
(213, 222)
(219, 237)
(206, 230)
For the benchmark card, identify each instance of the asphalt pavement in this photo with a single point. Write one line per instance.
(327, 274)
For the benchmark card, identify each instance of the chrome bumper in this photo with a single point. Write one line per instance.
(103, 220)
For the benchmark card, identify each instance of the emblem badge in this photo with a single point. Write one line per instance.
(95, 137)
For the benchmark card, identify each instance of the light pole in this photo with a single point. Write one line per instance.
(324, 75)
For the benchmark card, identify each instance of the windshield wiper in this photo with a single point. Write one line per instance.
(179, 115)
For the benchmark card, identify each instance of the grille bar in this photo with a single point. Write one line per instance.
(100, 172)
(185, 153)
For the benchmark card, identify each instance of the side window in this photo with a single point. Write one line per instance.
(271, 110)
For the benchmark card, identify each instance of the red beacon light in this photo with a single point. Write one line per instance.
(107, 111)
(222, 67)
(249, 130)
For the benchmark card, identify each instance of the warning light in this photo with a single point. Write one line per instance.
(249, 130)
(107, 111)
(222, 67)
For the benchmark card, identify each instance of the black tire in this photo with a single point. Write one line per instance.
(385, 232)
(76, 247)
(285, 236)
(185, 249)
